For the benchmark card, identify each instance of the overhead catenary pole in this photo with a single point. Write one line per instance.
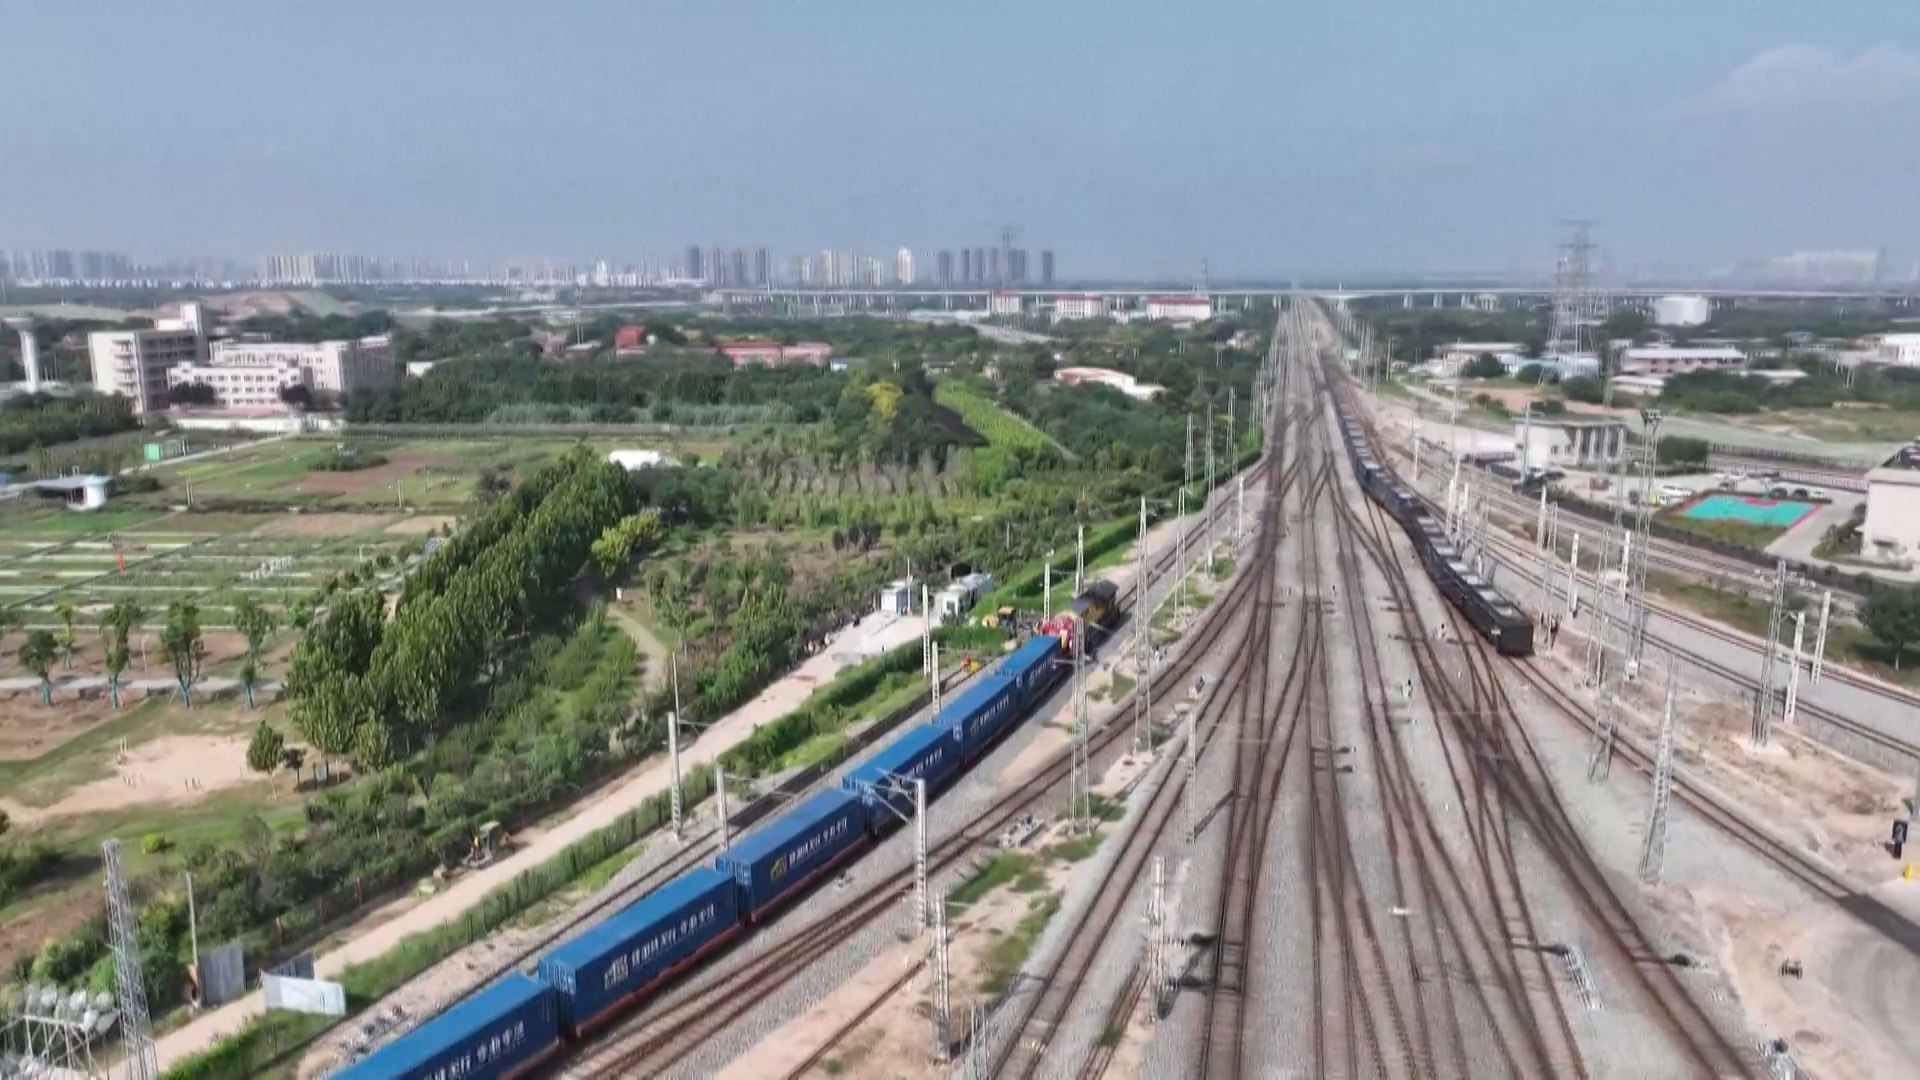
(1046, 592)
(1793, 671)
(941, 986)
(1142, 646)
(673, 751)
(1653, 848)
(1081, 793)
(1079, 560)
(1763, 700)
(926, 629)
(934, 677)
(720, 794)
(920, 850)
(1820, 638)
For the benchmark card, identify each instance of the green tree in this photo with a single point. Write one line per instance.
(1584, 388)
(180, 642)
(1681, 450)
(65, 612)
(9, 620)
(266, 750)
(257, 624)
(1529, 374)
(37, 655)
(1484, 366)
(116, 628)
(1893, 616)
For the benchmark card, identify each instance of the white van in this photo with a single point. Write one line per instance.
(1674, 493)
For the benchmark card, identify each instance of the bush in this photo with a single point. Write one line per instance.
(348, 459)
(155, 844)
(1585, 389)
(1680, 450)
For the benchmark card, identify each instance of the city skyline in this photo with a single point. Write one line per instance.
(1386, 135)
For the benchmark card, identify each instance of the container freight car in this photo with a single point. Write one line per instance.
(774, 864)
(511, 1026)
(1033, 666)
(504, 1031)
(603, 970)
(980, 713)
(925, 753)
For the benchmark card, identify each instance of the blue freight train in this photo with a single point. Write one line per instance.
(515, 1023)
(1491, 614)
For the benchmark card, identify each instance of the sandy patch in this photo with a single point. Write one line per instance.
(325, 524)
(1847, 1016)
(172, 769)
(419, 525)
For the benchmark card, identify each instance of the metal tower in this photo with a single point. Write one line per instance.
(1578, 309)
(1653, 851)
(142, 1062)
(1636, 566)
(1763, 701)
(941, 1008)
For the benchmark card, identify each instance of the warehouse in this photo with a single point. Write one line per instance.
(1892, 529)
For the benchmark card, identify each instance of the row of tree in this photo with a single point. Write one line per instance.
(368, 689)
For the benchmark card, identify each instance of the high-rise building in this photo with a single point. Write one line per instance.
(716, 266)
(966, 266)
(1046, 268)
(903, 266)
(1018, 270)
(762, 267)
(694, 263)
(943, 269)
(983, 272)
(998, 273)
(739, 275)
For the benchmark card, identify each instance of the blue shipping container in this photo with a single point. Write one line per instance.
(772, 864)
(978, 713)
(504, 1031)
(607, 966)
(926, 752)
(1032, 662)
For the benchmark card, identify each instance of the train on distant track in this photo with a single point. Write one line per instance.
(512, 1026)
(1491, 614)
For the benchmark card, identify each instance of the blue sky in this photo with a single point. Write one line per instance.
(1134, 138)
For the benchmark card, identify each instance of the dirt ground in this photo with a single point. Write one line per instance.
(399, 466)
(29, 730)
(419, 525)
(893, 1041)
(330, 524)
(170, 770)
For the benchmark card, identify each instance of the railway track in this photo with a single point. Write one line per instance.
(664, 1033)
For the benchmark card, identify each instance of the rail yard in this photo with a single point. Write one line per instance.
(1352, 814)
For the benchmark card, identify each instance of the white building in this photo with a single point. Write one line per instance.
(1078, 306)
(1003, 303)
(1900, 349)
(1669, 360)
(1190, 308)
(1569, 444)
(903, 266)
(333, 367)
(1682, 311)
(958, 598)
(633, 460)
(249, 386)
(134, 363)
(1892, 528)
(1119, 380)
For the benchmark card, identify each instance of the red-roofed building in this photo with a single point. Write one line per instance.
(630, 338)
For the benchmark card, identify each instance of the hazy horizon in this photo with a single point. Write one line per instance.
(1383, 136)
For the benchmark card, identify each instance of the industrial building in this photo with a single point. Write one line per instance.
(1682, 311)
(1892, 529)
(1561, 443)
(1119, 380)
(134, 363)
(1194, 308)
(1672, 360)
(1902, 350)
(1078, 306)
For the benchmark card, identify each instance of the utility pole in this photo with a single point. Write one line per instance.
(1240, 511)
(720, 792)
(1820, 639)
(1180, 560)
(1082, 781)
(935, 677)
(926, 629)
(1653, 850)
(920, 850)
(1079, 560)
(941, 988)
(142, 1061)
(1046, 594)
(1207, 504)
(1156, 938)
(1192, 753)
(673, 751)
(1793, 671)
(1573, 577)
(1763, 701)
(1142, 646)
